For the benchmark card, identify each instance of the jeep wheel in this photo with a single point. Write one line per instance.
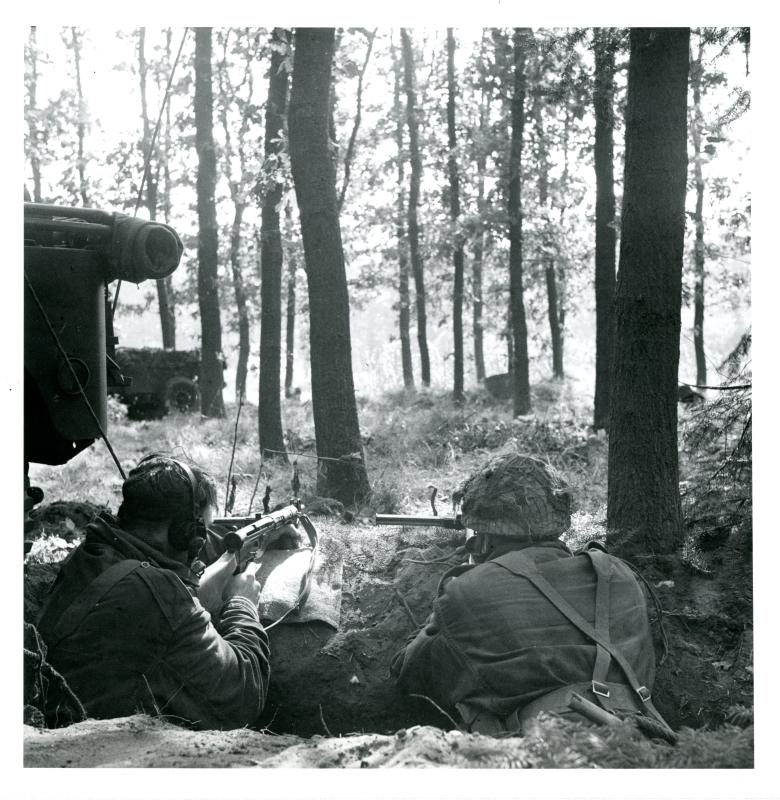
(182, 395)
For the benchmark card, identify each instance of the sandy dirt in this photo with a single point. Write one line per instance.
(141, 741)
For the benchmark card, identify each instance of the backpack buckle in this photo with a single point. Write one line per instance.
(644, 693)
(601, 689)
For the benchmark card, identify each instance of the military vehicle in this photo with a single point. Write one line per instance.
(160, 381)
(70, 257)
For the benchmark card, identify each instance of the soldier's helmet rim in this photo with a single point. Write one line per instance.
(516, 495)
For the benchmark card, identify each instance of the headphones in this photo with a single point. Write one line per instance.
(184, 531)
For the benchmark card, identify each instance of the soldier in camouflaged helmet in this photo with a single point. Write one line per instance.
(529, 626)
(513, 497)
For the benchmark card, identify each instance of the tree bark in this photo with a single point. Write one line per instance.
(341, 471)
(32, 127)
(606, 236)
(413, 224)
(457, 255)
(80, 125)
(548, 243)
(479, 235)
(643, 511)
(269, 410)
(697, 125)
(404, 304)
(333, 145)
(239, 290)
(292, 267)
(521, 387)
(556, 336)
(167, 323)
(211, 375)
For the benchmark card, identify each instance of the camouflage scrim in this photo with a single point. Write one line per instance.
(516, 496)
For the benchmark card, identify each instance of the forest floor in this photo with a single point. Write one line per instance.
(331, 701)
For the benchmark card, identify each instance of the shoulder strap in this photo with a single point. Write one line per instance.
(529, 571)
(602, 566)
(91, 595)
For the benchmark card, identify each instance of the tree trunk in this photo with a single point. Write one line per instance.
(697, 126)
(269, 410)
(356, 125)
(457, 255)
(603, 97)
(292, 266)
(561, 275)
(403, 255)
(333, 146)
(643, 511)
(548, 242)
(479, 236)
(521, 388)
(32, 126)
(413, 225)
(165, 293)
(556, 337)
(211, 377)
(238, 192)
(81, 124)
(241, 300)
(341, 471)
(167, 326)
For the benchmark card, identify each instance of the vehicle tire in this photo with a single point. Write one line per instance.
(182, 395)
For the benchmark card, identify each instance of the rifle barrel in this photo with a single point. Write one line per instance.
(234, 540)
(451, 523)
(236, 522)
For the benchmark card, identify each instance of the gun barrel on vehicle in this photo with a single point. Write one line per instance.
(247, 536)
(451, 523)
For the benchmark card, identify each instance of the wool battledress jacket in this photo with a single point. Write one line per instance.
(141, 641)
(494, 643)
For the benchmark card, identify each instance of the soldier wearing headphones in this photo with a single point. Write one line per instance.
(133, 629)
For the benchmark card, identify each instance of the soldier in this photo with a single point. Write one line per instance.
(132, 628)
(527, 624)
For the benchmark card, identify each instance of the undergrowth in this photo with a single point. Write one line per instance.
(561, 744)
(716, 444)
(414, 442)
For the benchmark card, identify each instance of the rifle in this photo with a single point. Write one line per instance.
(248, 537)
(234, 523)
(250, 541)
(450, 523)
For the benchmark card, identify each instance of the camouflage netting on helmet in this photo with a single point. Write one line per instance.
(517, 496)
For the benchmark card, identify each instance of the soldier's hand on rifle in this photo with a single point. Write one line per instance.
(212, 591)
(245, 584)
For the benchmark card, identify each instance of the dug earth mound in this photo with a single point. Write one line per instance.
(332, 702)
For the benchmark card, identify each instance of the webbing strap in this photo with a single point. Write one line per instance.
(602, 566)
(92, 594)
(536, 579)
